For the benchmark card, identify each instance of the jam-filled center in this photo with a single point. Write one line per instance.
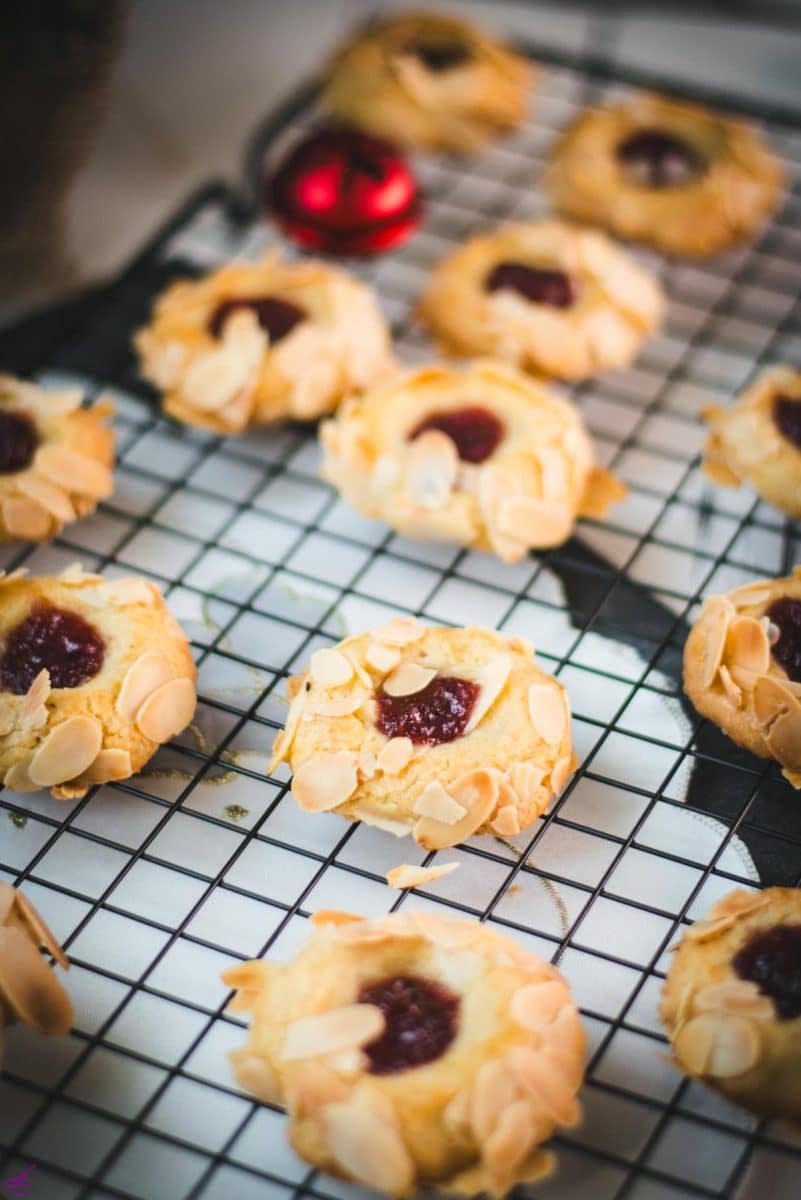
(276, 317)
(772, 960)
(475, 431)
(785, 614)
(540, 285)
(437, 713)
(656, 159)
(438, 57)
(18, 442)
(56, 639)
(421, 1021)
(787, 418)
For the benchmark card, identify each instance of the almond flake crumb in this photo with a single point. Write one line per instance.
(408, 876)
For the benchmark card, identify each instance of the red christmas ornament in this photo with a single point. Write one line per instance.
(344, 192)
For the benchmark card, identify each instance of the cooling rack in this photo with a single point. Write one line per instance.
(157, 884)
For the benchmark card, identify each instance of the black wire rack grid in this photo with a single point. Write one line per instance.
(157, 884)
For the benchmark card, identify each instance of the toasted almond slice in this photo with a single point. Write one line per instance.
(739, 996)
(37, 928)
(407, 876)
(344, 1028)
(744, 680)
(12, 576)
(25, 519)
(400, 631)
(367, 765)
(495, 1088)
(74, 575)
(492, 680)
(284, 739)
(168, 710)
(751, 595)
(407, 679)
(329, 668)
(731, 689)
(67, 751)
(33, 712)
(784, 738)
(325, 782)
(718, 1046)
(73, 471)
(562, 773)
(477, 792)
(124, 593)
(525, 779)
(719, 613)
(144, 677)
(456, 1113)
(109, 765)
(536, 523)
(17, 778)
(432, 466)
(509, 1143)
(718, 471)
(747, 645)
(255, 1075)
(49, 496)
(601, 491)
(436, 802)
(337, 706)
(770, 698)
(537, 1005)
(382, 658)
(28, 986)
(450, 933)
(506, 822)
(395, 755)
(368, 1149)
(8, 717)
(546, 708)
(545, 1083)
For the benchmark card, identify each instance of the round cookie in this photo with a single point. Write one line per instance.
(675, 175)
(55, 459)
(29, 990)
(481, 456)
(441, 733)
(732, 1001)
(414, 1051)
(428, 82)
(546, 296)
(258, 343)
(758, 440)
(94, 676)
(742, 668)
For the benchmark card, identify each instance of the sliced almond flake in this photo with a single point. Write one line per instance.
(337, 706)
(751, 595)
(525, 778)
(349, 1063)
(745, 680)
(400, 631)
(69, 748)
(168, 710)
(739, 996)
(431, 469)
(358, 670)
(407, 679)
(747, 645)
(367, 1149)
(495, 1088)
(792, 777)
(382, 658)
(492, 680)
(33, 713)
(450, 933)
(74, 471)
(74, 575)
(511, 1140)
(49, 496)
(38, 930)
(718, 612)
(456, 1113)
(477, 791)
(547, 711)
(25, 519)
(395, 755)
(124, 593)
(8, 717)
(436, 802)
(255, 1075)
(28, 986)
(283, 741)
(773, 632)
(534, 522)
(344, 1028)
(561, 773)
(408, 876)
(144, 676)
(784, 738)
(367, 765)
(535, 1006)
(506, 822)
(329, 668)
(12, 576)
(546, 1084)
(17, 778)
(719, 1046)
(731, 689)
(326, 781)
(770, 698)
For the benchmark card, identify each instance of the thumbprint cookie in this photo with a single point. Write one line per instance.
(742, 668)
(428, 82)
(55, 459)
(482, 456)
(29, 990)
(414, 1051)
(732, 1001)
(684, 179)
(758, 440)
(259, 343)
(546, 296)
(441, 733)
(94, 675)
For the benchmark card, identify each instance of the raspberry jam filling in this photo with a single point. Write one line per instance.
(276, 317)
(787, 418)
(785, 614)
(18, 442)
(421, 1020)
(475, 431)
(653, 158)
(437, 713)
(52, 638)
(440, 56)
(772, 960)
(537, 284)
